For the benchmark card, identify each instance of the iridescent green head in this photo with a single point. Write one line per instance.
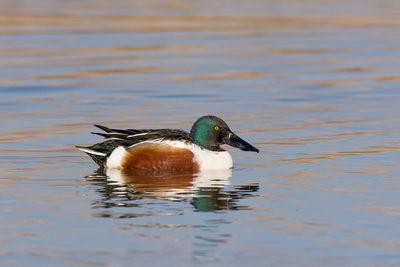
(210, 132)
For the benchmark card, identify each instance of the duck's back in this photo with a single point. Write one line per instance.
(142, 145)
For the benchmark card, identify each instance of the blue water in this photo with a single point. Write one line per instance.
(314, 86)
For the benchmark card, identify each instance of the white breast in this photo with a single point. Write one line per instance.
(212, 160)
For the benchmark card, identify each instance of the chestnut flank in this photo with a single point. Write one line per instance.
(159, 156)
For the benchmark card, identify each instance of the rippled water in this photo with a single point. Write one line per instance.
(315, 86)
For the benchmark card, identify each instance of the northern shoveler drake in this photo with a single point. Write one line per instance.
(168, 149)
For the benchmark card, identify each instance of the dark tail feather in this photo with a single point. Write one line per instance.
(101, 134)
(98, 157)
(113, 135)
(117, 131)
(104, 128)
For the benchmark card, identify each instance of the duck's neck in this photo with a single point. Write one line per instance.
(202, 139)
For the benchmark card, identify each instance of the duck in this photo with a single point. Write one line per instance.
(170, 150)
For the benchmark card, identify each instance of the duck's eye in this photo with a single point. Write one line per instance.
(216, 128)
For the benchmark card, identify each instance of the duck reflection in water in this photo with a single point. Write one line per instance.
(205, 190)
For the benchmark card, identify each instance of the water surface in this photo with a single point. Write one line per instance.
(315, 86)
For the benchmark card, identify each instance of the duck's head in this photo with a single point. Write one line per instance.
(210, 132)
